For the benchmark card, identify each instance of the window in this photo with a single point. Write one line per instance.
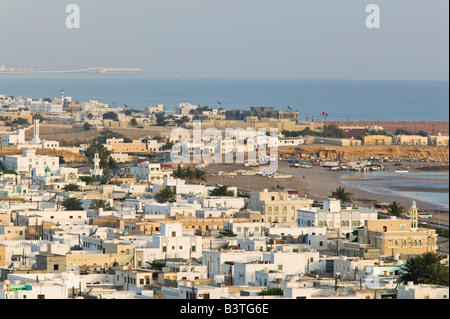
(174, 234)
(141, 281)
(56, 267)
(40, 296)
(164, 249)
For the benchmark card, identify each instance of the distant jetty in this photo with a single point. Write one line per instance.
(94, 70)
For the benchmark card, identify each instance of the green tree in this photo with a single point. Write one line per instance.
(395, 209)
(200, 175)
(221, 191)
(332, 131)
(165, 196)
(271, 292)
(425, 269)
(227, 233)
(110, 116)
(96, 204)
(133, 122)
(160, 119)
(167, 146)
(342, 195)
(87, 126)
(72, 204)
(112, 163)
(72, 188)
(435, 274)
(87, 179)
(410, 271)
(157, 265)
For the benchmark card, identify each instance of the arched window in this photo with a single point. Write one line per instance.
(419, 243)
(395, 243)
(402, 227)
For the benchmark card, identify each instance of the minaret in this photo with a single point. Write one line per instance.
(36, 138)
(62, 97)
(413, 212)
(96, 171)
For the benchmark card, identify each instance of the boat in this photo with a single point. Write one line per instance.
(401, 171)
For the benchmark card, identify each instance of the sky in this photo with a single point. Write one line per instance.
(231, 38)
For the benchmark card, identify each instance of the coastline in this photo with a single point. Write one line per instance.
(316, 183)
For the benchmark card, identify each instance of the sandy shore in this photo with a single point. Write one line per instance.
(317, 183)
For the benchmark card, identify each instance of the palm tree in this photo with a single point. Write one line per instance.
(72, 204)
(179, 172)
(436, 274)
(189, 174)
(96, 204)
(410, 271)
(341, 194)
(221, 191)
(165, 195)
(200, 175)
(429, 258)
(395, 209)
(278, 187)
(425, 269)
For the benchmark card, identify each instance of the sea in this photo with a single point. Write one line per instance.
(342, 100)
(429, 187)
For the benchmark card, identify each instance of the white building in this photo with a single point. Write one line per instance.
(34, 291)
(14, 139)
(332, 216)
(29, 161)
(170, 243)
(150, 173)
(411, 291)
(185, 108)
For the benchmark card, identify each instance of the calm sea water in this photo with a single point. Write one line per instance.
(341, 99)
(430, 187)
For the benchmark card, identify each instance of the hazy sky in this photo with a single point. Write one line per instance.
(236, 38)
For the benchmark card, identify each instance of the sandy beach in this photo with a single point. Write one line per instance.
(316, 183)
